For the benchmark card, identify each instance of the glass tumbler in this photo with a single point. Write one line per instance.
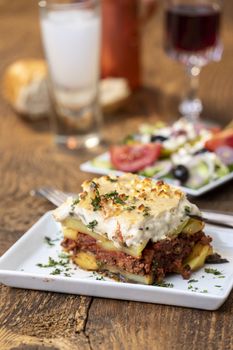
(71, 35)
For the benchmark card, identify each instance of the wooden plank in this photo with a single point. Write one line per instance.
(131, 325)
(36, 318)
(10, 340)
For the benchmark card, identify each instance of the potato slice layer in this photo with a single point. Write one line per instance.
(86, 261)
(198, 256)
(71, 227)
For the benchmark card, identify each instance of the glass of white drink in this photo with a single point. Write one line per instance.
(71, 34)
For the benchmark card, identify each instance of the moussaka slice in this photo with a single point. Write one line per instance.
(137, 229)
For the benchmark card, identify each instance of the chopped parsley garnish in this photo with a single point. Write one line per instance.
(116, 197)
(53, 263)
(95, 202)
(97, 277)
(130, 208)
(118, 200)
(100, 278)
(213, 271)
(193, 289)
(64, 255)
(111, 194)
(187, 209)
(56, 272)
(192, 281)
(146, 211)
(50, 241)
(67, 274)
(95, 187)
(92, 224)
(75, 201)
(204, 291)
(61, 266)
(164, 284)
(111, 179)
(59, 271)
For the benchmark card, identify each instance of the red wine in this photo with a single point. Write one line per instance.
(192, 28)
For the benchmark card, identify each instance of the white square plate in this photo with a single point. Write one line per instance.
(89, 167)
(18, 268)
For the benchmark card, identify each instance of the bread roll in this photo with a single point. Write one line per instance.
(25, 87)
(113, 93)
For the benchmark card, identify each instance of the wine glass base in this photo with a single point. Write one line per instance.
(191, 109)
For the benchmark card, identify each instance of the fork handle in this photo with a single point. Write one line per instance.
(216, 216)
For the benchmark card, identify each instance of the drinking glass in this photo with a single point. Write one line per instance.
(192, 38)
(71, 34)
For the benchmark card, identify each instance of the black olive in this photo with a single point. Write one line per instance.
(180, 172)
(200, 151)
(158, 138)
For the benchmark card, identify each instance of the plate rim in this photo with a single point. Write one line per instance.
(218, 299)
(89, 168)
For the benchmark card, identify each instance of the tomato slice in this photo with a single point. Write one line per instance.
(223, 138)
(135, 157)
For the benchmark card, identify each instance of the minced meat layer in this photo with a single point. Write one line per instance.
(157, 258)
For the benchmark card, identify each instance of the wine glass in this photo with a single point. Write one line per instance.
(192, 37)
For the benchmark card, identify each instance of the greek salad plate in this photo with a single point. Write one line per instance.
(94, 167)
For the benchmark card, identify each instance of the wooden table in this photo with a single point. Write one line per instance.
(29, 159)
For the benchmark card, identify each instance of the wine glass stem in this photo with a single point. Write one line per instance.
(191, 106)
(193, 73)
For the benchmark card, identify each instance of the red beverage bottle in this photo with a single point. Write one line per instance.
(121, 38)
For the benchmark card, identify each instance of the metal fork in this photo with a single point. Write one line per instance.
(53, 195)
(58, 197)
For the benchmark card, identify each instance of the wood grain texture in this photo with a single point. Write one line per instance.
(28, 159)
(130, 325)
